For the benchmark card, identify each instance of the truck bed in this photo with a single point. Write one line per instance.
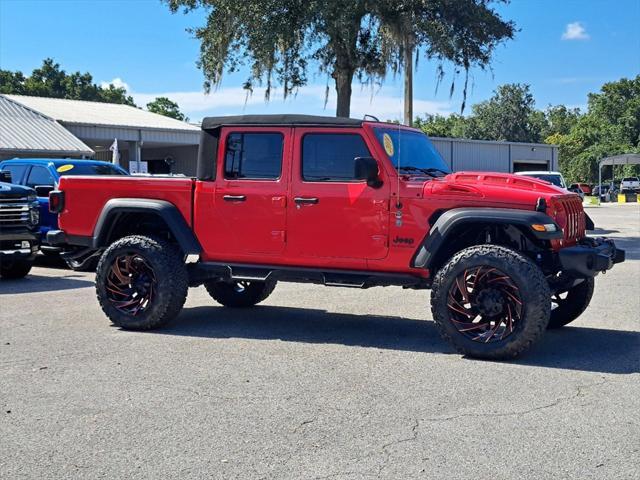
(85, 197)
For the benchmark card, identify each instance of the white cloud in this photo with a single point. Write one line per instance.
(116, 82)
(384, 103)
(575, 31)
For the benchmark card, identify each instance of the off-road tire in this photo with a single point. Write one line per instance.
(533, 290)
(229, 295)
(15, 270)
(171, 281)
(572, 306)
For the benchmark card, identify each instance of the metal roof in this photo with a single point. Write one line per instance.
(624, 159)
(286, 119)
(81, 112)
(25, 130)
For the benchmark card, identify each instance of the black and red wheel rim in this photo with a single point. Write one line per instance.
(484, 304)
(131, 284)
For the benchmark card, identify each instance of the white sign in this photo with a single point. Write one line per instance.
(139, 167)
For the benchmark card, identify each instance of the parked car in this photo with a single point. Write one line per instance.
(19, 236)
(340, 202)
(606, 192)
(554, 178)
(630, 185)
(43, 175)
(584, 187)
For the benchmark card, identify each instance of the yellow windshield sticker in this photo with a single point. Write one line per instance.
(64, 168)
(388, 144)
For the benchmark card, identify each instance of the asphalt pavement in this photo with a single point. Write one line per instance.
(315, 383)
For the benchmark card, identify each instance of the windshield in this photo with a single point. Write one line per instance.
(413, 151)
(89, 169)
(555, 179)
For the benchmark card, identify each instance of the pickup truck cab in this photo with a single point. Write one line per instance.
(339, 202)
(43, 175)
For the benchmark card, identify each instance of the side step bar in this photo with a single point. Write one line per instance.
(201, 272)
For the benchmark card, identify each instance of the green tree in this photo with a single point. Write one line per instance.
(166, 107)
(611, 126)
(442, 126)
(464, 33)
(281, 40)
(50, 80)
(509, 115)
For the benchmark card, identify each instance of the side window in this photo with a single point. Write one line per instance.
(17, 172)
(329, 157)
(253, 156)
(39, 176)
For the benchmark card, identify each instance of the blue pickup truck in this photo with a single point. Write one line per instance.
(42, 174)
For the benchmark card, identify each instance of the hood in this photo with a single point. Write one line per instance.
(9, 190)
(494, 187)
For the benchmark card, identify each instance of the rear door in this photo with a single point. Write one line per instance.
(249, 212)
(332, 215)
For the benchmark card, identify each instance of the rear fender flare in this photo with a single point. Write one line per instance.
(441, 231)
(166, 211)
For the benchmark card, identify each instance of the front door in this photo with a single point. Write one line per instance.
(248, 218)
(331, 214)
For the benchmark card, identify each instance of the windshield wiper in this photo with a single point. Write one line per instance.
(432, 169)
(426, 171)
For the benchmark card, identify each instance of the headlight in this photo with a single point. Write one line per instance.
(32, 197)
(34, 215)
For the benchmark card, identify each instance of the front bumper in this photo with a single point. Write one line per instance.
(590, 257)
(18, 249)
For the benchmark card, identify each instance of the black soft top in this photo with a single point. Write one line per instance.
(210, 123)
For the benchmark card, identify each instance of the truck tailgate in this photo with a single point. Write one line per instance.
(85, 196)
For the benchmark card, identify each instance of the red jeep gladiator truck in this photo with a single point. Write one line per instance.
(340, 202)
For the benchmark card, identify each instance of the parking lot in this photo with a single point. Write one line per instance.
(315, 383)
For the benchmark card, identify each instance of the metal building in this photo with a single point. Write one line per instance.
(161, 144)
(508, 157)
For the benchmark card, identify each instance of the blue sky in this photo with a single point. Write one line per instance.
(564, 50)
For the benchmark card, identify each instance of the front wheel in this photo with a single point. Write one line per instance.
(567, 306)
(240, 293)
(490, 302)
(17, 269)
(141, 282)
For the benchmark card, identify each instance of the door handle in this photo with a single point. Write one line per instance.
(306, 200)
(234, 198)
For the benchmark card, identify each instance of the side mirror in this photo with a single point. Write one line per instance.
(43, 190)
(5, 176)
(366, 168)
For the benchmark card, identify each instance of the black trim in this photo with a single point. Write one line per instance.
(208, 154)
(592, 256)
(166, 211)
(273, 120)
(451, 219)
(201, 272)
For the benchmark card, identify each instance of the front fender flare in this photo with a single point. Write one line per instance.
(441, 231)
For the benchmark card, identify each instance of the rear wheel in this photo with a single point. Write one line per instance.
(240, 293)
(569, 305)
(141, 282)
(490, 302)
(17, 269)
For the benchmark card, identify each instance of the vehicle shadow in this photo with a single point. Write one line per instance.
(50, 261)
(571, 348)
(39, 283)
(631, 246)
